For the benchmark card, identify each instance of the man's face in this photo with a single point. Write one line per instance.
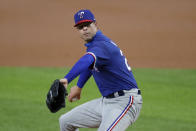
(87, 30)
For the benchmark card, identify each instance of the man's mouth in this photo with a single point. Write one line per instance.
(86, 34)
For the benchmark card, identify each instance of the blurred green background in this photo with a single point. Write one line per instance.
(168, 95)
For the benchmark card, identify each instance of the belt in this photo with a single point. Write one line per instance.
(119, 93)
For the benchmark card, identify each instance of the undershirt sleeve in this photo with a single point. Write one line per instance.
(81, 65)
(84, 76)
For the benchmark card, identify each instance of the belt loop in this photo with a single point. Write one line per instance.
(139, 92)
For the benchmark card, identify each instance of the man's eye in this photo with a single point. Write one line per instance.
(84, 25)
(80, 27)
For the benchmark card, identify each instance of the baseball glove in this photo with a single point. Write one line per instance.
(56, 96)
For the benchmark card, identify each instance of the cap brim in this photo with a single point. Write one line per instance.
(82, 21)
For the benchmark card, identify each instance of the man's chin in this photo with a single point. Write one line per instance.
(88, 39)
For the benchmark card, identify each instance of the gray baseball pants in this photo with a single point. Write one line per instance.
(106, 114)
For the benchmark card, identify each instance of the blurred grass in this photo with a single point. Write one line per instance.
(168, 95)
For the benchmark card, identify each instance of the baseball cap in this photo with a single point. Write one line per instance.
(83, 16)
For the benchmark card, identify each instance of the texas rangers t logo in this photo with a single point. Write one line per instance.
(81, 14)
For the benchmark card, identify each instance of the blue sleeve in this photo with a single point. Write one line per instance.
(84, 76)
(82, 65)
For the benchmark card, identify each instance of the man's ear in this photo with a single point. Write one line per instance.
(95, 23)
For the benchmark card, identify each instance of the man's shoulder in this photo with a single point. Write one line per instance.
(101, 41)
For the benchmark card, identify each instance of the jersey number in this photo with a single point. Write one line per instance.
(126, 63)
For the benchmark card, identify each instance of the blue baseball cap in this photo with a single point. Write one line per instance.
(83, 16)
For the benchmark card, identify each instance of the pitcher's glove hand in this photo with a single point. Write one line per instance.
(56, 96)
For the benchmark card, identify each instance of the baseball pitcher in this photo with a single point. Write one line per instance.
(121, 100)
